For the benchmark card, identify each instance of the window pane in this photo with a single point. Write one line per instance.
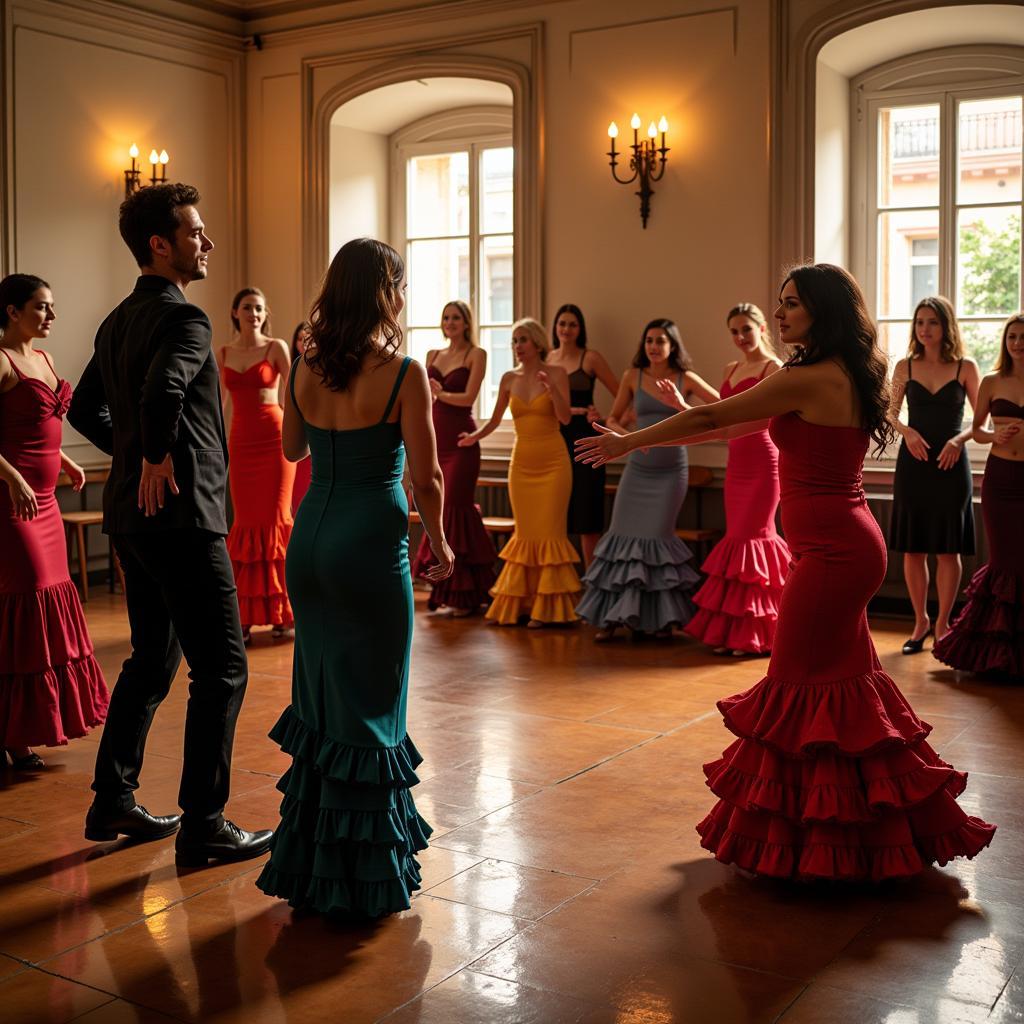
(908, 156)
(981, 341)
(908, 260)
(438, 272)
(437, 198)
(421, 341)
(496, 190)
(893, 338)
(496, 267)
(988, 261)
(988, 151)
(498, 343)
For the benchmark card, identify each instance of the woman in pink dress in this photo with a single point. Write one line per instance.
(831, 775)
(51, 688)
(738, 604)
(304, 467)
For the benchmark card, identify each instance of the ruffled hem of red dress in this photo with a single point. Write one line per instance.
(754, 634)
(42, 629)
(259, 543)
(470, 582)
(763, 561)
(265, 610)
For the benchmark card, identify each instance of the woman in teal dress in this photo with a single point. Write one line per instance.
(349, 829)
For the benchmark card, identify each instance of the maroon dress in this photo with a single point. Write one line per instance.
(468, 586)
(51, 688)
(831, 775)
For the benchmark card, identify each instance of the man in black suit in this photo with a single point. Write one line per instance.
(150, 397)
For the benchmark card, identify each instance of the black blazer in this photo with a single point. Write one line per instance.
(151, 388)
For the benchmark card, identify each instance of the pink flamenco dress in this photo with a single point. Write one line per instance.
(831, 775)
(738, 605)
(261, 482)
(51, 687)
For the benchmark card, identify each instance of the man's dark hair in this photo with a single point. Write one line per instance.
(153, 210)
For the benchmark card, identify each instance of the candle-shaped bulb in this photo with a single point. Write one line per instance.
(133, 151)
(613, 131)
(663, 124)
(153, 158)
(652, 130)
(634, 122)
(163, 156)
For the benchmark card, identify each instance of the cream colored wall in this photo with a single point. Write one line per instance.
(706, 245)
(360, 192)
(831, 166)
(81, 94)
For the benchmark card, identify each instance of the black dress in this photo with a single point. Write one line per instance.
(932, 511)
(586, 506)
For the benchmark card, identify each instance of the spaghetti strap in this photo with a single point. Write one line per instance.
(431, 357)
(465, 358)
(760, 376)
(959, 367)
(53, 369)
(910, 368)
(291, 387)
(394, 391)
(14, 367)
(583, 355)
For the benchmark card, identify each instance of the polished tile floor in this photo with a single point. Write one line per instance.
(564, 883)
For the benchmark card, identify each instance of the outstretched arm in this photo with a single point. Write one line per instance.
(500, 405)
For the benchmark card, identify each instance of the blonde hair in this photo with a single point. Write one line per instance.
(752, 312)
(469, 334)
(537, 334)
(1004, 364)
(952, 345)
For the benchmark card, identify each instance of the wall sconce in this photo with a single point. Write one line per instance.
(647, 161)
(133, 174)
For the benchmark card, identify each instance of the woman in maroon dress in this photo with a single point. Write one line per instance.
(51, 688)
(455, 374)
(831, 775)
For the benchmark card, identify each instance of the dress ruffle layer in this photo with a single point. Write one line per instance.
(470, 582)
(538, 580)
(738, 605)
(640, 582)
(834, 780)
(257, 556)
(988, 635)
(349, 828)
(51, 686)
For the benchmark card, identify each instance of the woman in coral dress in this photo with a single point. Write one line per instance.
(456, 373)
(539, 581)
(51, 688)
(831, 775)
(738, 605)
(253, 369)
(304, 467)
(641, 576)
(988, 635)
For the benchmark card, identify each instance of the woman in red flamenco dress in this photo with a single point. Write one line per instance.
(253, 370)
(831, 775)
(51, 688)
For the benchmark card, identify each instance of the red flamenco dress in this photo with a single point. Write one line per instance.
(51, 688)
(738, 605)
(831, 775)
(261, 482)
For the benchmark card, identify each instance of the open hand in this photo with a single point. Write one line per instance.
(445, 562)
(545, 383)
(602, 447)
(1007, 431)
(23, 498)
(950, 454)
(153, 483)
(593, 414)
(916, 444)
(671, 395)
(466, 439)
(75, 474)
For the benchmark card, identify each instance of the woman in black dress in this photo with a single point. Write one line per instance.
(584, 367)
(932, 487)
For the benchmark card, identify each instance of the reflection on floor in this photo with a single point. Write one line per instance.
(564, 883)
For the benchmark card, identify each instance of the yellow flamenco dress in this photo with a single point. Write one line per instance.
(539, 578)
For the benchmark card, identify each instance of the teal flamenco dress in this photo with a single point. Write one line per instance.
(349, 831)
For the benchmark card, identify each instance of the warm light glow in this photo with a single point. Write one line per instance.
(652, 130)
(153, 158)
(133, 152)
(663, 124)
(613, 131)
(634, 122)
(163, 156)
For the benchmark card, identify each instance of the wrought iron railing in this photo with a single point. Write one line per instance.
(998, 131)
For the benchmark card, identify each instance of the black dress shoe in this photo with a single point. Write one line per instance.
(916, 646)
(229, 842)
(136, 823)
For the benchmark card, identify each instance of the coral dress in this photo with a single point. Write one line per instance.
(468, 586)
(539, 578)
(738, 605)
(641, 575)
(831, 776)
(51, 688)
(349, 831)
(261, 482)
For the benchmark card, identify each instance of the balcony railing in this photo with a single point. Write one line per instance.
(998, 131)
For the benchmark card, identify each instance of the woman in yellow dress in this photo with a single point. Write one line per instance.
(539, 581)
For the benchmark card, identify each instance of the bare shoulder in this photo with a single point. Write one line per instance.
(901, 369)
(971, 367)
(730, 369)
(477, 354)
(555, 372)
(774, 365)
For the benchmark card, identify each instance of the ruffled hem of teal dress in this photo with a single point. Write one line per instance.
(349, 831)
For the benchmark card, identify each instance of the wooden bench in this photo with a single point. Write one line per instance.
(497, 526)
(75, 526)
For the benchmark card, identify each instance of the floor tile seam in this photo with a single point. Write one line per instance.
(92, 988)
(17, 821)
(710, 713)
(462, 871)
(95, 1009)
(789, 1006)
(515, 863)
(475, 906)
(611, 757)
(569, 899)
(915, 1006)
(559, 718)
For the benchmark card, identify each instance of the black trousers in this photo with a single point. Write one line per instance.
(180, 591)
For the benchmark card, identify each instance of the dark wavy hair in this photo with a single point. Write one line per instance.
(568, 307)
(153, 210)
(238, 298)
(356, 311)
(952, 345)
(296, 334)
(843, 330)
(1004, 361)
(16, 290)
(678, 358)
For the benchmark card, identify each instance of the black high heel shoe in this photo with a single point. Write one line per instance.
(917, 646)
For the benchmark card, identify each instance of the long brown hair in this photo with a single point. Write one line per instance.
(1004, 364)
(469, 334)
(952, 344)
(238, 298)
(678, 358)
(843, 330)
(356, 311)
